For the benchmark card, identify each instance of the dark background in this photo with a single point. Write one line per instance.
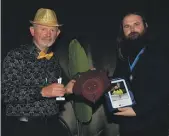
(97, 21)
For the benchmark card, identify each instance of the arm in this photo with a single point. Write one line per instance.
(13, 89)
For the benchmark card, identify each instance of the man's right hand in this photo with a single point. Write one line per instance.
(53, 90)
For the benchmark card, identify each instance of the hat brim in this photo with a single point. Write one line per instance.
(45, 24)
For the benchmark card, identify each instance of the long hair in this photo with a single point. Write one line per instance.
(121, 37)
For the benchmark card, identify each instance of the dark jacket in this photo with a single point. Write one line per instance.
(150, 89)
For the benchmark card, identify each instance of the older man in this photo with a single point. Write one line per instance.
(30, 82)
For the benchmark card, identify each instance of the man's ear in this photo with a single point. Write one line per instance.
(32, 30)
(58, 32)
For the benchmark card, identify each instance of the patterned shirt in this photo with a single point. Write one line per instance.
(23, 78)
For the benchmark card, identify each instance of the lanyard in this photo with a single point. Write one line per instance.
(136, 59)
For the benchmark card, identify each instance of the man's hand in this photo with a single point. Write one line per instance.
(53, 90)
(126, 111)
(69, 87)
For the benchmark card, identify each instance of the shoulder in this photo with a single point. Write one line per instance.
(156, 59)
(20, 49)
(156, 53)
(16, 53)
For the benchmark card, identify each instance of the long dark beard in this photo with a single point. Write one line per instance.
(130, 47)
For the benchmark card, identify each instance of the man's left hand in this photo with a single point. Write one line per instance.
(126, 111)
(69, 86)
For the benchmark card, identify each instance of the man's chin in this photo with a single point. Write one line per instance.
(47, 45)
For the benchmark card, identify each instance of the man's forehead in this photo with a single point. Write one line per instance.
(132, 19)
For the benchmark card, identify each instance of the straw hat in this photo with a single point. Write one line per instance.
(46, 17)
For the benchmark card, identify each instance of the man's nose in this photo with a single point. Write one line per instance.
(48, 33)
(132, 28)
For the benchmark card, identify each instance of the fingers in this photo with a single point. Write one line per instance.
(119, 113)
(126, 111)
(60, 91)
(73, 81)
(53, 90)
(69, 86)
(123, 109)
(56, 85)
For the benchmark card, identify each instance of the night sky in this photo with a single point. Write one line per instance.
(95, 20)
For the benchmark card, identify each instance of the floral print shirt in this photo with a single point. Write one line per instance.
(23, 77)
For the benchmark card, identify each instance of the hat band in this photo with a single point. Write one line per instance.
(48, 23)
